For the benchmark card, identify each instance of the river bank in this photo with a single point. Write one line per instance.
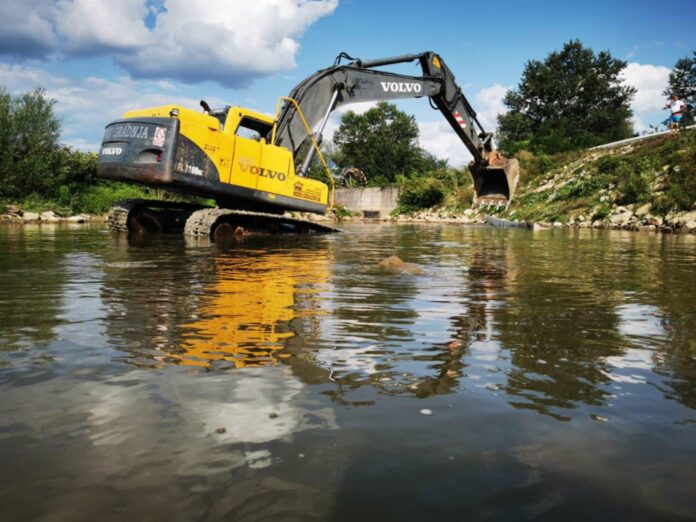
(18, 217)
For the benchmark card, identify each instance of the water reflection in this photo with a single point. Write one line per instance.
(276, 378)
(245, 315)
(29, 261)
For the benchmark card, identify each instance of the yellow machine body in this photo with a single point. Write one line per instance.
(223, 156)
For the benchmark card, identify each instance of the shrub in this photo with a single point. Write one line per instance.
(631, 184)
(420, 192)
(608, 164)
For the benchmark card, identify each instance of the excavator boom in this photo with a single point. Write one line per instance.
(495, 177)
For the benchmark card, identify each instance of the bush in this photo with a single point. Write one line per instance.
(99, 198)
(420, 192)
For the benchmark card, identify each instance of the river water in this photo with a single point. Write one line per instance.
(525, 375)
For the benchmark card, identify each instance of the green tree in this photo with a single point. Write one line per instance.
(572, 100)
(682, 82)
(383, 142)
(30, 143)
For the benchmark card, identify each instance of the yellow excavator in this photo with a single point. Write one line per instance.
(254, 165)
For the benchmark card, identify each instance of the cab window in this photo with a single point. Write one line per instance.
(253, 129)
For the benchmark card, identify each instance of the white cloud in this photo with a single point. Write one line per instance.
(489, 104)
(650, 81)
(191, 40)
(439, 139)
(91, 26)
(27, 30)
(86, 105)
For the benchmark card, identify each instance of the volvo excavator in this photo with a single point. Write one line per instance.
(254, 166)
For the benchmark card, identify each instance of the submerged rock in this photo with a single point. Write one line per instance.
(396, 264)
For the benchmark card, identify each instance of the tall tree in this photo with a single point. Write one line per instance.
(573, 99)
(682, 82)
(382, 142)
(29, 142)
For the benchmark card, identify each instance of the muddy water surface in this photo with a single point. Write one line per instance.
(523, 376)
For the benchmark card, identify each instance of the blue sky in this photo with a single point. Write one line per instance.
(98, 58)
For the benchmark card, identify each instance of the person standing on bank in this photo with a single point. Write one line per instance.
(676, 107)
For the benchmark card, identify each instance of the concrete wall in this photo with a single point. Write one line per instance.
(368, 201)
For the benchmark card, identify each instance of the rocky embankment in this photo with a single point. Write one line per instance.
(19, 216)
(648, 185)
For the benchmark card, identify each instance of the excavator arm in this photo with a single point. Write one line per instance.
(495, 177)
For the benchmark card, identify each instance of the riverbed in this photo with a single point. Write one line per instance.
(524, 375)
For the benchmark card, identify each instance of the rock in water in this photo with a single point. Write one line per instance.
(394, 263)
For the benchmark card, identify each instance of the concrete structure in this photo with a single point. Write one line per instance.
(372, 202)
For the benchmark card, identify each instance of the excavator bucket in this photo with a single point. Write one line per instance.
(495, 183)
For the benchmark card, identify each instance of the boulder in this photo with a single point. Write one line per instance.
(643, 210)
(30, 216)
(396, 264)
(49, 217)
(621, 219)
(652, 220)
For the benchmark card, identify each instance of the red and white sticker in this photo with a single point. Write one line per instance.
(158, 138)
(460, 120)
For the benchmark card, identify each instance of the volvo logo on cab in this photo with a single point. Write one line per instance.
(400, 87)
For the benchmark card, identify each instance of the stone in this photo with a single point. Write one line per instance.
(76, 219)
(538, 226)
(621, 219)
(49, 217)
(394, 263)
(30, 216)
(690, 226)
(643, 210)
(652, 220)
(648, 228)
(557, 224)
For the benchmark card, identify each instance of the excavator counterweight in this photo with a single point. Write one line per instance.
(248, 162)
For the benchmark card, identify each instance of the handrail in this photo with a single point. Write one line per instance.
(311, 136)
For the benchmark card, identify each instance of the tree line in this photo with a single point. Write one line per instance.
(32, 160)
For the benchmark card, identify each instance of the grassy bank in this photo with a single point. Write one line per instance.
(94, 199)
(657, 176)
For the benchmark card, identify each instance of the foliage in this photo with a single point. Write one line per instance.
(661, 171)
(420, 192)
(682, 82)
(29, 136)
(572, 100)
(383, 143)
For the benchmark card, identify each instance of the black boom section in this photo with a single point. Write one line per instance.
(340, 85)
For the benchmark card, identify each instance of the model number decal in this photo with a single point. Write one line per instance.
(189, 169)
(111, 151)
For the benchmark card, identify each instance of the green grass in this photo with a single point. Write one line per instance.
(97, 198)
(626, 178)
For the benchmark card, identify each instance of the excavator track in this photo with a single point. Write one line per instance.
(148, 216)
(219, 223)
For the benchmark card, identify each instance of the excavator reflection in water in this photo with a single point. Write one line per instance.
(245, 317)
